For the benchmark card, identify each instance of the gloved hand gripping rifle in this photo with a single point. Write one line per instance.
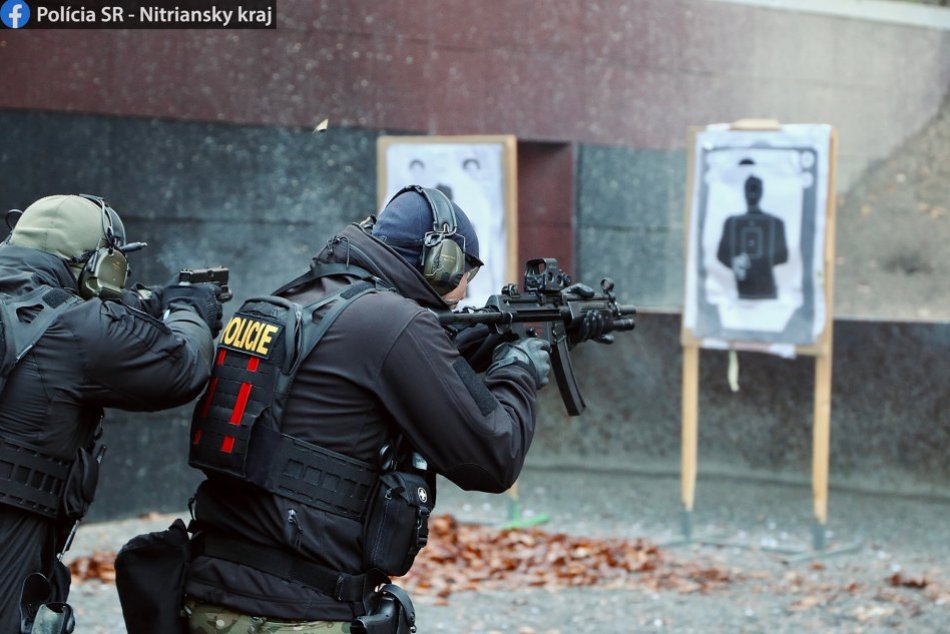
(550, 307)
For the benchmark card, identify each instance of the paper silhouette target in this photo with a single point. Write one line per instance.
(757, 235)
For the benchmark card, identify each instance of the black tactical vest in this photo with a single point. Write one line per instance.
(30, 479)
(236, 428)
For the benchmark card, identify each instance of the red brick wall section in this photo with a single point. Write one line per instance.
(619, 72)
(546, 203)
(590, 72)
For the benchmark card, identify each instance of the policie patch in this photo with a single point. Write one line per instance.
(250, 335)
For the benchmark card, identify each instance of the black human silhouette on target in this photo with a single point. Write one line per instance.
(752, 244)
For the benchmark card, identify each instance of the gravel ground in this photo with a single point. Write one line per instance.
(902, 536)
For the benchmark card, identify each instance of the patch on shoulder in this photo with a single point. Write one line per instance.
(483, 397)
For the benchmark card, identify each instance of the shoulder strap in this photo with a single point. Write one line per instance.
(324, 269)
(313, 328)
(20, 336)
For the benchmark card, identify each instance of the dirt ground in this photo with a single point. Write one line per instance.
(897, 580)
(893, 229)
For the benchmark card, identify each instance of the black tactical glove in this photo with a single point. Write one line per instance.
(595, 322)
(592, 326)
(477, 342)
(531, 353)
(201, 298)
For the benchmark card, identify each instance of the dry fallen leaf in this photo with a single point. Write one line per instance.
(871, 612)
(805, 604)
(100, 565)
(898, 581)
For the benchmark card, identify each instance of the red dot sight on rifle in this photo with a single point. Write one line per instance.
(543, 275)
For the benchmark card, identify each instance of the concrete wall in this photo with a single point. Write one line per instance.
(890, 408)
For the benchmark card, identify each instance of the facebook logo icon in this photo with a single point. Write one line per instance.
(15, 14)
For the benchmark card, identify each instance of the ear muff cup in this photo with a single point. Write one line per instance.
(443, 261)
(104, 274)
(443, 265)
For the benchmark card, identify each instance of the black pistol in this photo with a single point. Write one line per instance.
(217, 275)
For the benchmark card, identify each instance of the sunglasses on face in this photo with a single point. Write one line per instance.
(473, 264)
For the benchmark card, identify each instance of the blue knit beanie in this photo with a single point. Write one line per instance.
(404, 222)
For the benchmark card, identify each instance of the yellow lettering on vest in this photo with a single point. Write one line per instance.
(263, 344)
(250, 342)
(234, 328)
(249, 332)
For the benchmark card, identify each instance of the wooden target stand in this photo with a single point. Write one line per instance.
(821, 350)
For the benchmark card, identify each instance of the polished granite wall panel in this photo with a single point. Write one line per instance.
(630, 219)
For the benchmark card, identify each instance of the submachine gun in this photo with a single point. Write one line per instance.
(551, 308)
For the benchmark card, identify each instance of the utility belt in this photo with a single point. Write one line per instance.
(389, 608)
(151, 571)
(287, 565)
(52, 487)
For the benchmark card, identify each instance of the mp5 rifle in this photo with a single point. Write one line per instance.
(550, 306)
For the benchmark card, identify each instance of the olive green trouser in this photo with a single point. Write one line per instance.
(205, 618)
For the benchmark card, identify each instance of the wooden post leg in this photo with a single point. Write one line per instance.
(821, 440)
(690, 430)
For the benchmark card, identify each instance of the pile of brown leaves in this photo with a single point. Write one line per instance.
(463, 557)
(100, 565)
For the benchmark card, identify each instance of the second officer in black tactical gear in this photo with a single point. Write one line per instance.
(331, 408)
(73, 341)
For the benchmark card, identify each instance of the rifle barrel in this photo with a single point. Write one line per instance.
(526, 315)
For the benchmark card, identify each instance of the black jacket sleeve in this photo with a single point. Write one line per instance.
(474, 432)
(138, 362)
(476, 343)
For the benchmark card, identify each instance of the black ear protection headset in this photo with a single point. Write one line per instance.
(443, 260)
(106, 268)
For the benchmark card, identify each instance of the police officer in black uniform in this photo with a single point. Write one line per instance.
(321, 442)
(73, 342)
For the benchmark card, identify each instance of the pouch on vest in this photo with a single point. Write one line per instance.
(397, 525)
(80, 489)
(150, 575)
